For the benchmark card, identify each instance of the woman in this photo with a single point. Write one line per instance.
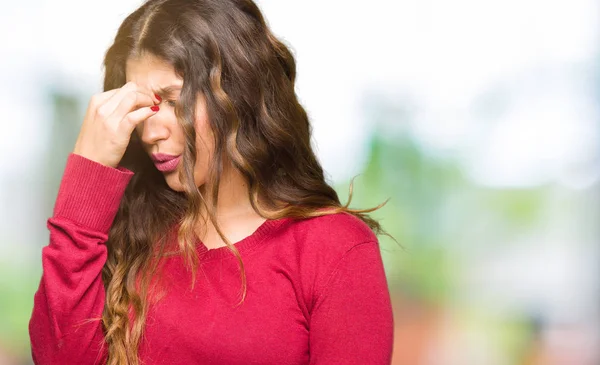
(193, 223)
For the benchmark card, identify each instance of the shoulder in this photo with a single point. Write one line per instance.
(336, 233)
(323, 243)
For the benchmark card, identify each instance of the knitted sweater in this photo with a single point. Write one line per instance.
(316, 289)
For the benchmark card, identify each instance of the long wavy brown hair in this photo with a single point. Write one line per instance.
(224, 50)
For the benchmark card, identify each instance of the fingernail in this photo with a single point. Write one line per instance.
(158, 97)
(154, 108)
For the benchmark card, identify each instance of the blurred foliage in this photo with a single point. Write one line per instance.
(18, 284)
(434, 210)
(416, 186)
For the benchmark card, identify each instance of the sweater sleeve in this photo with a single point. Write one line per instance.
(65, 325)
(351, 322)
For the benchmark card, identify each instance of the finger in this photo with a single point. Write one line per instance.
(109, 106)
(131, 101)
(98, 99)
(132, 119)
(101, 98)
(147, 91)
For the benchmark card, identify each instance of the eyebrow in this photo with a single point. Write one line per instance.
(168, 90)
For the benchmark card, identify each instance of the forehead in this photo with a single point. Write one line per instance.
(151, 72)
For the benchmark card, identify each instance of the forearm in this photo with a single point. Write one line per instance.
(65, 325)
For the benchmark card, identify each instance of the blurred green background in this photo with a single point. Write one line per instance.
(478, 119)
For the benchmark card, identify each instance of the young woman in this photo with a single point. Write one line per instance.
(193, 223)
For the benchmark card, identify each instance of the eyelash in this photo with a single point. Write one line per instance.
(171, 103)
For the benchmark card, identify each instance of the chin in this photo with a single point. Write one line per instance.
(173, 182)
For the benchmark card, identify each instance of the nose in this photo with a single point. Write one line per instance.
(153, 129)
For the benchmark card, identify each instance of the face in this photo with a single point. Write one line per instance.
(161, 133)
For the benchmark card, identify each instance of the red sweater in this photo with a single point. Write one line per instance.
(316, 289)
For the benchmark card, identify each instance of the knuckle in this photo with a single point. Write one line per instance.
(131, 96)
(131, 85)
(126, 119)
(95, 100)
(102, 112)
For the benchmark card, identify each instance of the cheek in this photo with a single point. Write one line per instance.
(204, 137)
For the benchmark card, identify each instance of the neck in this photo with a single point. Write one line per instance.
(233, 196)
(234, 213)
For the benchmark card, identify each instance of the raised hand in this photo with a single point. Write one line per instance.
(110, 119)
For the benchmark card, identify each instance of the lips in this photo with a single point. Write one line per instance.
(163, 157)
(164, 162)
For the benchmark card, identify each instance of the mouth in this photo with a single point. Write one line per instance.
(162, 157)
(167, 165)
